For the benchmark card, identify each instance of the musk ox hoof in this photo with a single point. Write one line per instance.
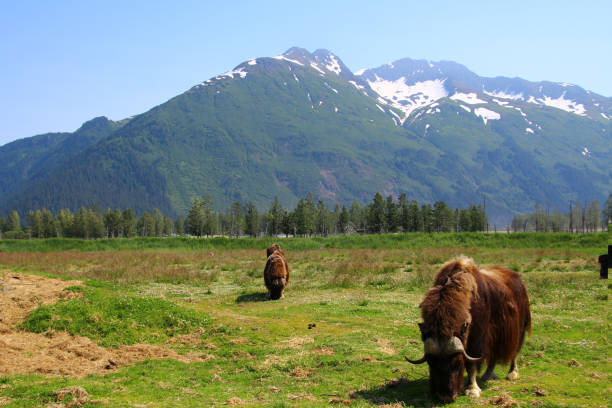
(473, 392)
(488, 377)
(513, 375)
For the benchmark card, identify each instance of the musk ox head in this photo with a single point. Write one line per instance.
(272, 248)
(445, 328)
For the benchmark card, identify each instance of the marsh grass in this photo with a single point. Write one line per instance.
(363, 302)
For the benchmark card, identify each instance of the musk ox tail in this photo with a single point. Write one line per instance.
(276, 288)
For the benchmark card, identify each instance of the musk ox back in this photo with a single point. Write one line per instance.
(472, 315)
(276, 272)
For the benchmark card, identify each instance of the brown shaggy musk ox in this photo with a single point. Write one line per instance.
(472, 315)
(276, 273)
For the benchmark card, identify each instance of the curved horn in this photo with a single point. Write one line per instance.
(419, 361)
(456, 346)
(431, 347)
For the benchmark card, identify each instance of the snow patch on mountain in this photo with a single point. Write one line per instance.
(502, 103)
(327, 85)
(239, 71)
(252, 62)
(529, 130)
(333, 65)
(406, 97)
(470, 98)
(564, 104)
(282, 57)
(315, 66)
(505, 95)
(466, 108)
(356, 85)
(486, 114)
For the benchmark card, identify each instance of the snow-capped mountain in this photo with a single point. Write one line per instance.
(300, 122)
(412, 84)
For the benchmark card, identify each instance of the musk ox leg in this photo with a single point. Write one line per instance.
(490, 373)
(472, 390)
(513, 373)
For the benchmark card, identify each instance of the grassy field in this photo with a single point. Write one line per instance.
(361, 293)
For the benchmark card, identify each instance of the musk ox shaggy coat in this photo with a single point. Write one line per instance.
(472, 315)
(276, 272)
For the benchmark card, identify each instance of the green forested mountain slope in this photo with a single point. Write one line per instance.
(25, 159)
(298, 123)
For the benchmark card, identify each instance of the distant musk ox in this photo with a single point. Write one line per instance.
(471, 316)
(276, 273)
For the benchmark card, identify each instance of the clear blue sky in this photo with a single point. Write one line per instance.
(65, 62)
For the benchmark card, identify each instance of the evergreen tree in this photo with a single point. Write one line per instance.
(310, 214)
(300, 218)
(334, 220)
(235, 219)
(403, 213)
(128, 223)
(34, 223)
(210, 221)
(274, 218)
(168, 227)
(112, 223)
(251, 218)
(415, 220)
(289, 225)
(344, 220)
(48, 224)
(442, 217)
(146, 225)
(179, 225)
(356, 216)
(427, 217)
(322, 216)
(95, 224)
(63, 223)
(195, 219)
(79, 225)
(14, 223)
(376, 215)
(391, 215)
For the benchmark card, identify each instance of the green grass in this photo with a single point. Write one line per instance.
(382, 241)
(112, 317)
(364, 303)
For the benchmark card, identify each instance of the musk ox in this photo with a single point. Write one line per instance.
(470, 316)
(276, 273)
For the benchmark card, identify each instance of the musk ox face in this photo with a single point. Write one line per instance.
(446, 376)
(446, 359)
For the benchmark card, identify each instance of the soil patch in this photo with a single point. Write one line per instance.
(59, 353)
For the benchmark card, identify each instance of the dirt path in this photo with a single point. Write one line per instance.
(58, 353)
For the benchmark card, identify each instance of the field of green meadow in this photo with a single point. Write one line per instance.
(337, 338)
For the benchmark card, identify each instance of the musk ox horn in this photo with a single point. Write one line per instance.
(455, 345)
(419, 361)
(431, 347)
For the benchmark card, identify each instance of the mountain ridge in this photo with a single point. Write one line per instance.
(303, 122)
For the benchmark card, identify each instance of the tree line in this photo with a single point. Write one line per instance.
(310, 217)
(587, 217)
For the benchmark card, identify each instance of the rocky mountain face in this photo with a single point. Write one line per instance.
(303, 122)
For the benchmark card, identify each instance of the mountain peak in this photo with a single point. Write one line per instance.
(298, 53)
